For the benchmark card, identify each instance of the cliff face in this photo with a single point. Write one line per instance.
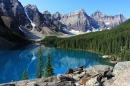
(78, 20)
(34, 16)
(13, 15)
(106, 21)
(9, 39)
(81, 22)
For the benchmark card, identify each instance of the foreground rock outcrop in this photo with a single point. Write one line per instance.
(121, 72)
(97, 75)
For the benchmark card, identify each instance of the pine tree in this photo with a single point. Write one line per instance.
(48, 67)
(39, 66)
(24, 76)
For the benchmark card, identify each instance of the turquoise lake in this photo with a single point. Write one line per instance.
(14, 61)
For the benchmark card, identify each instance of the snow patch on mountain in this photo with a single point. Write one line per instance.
(107, 23)
(21, 29)
(33, 25)
(76, 32)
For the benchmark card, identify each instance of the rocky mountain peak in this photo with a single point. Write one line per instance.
(31, 7)
(46, 12)
(57, 13)
(98, 14)
(107, 21)
(80, 11)
(56, 16)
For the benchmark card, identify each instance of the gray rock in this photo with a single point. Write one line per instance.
(122, 72)
(104, 79)
(108, 82)
(91, 82)
(107, 21)
(79, 76)
(35, 16)
(120, 67)
(61, 77)
(65, 83)
(76, 72)
(78, 20)
(96, 69)
(48, 79)
(56, 16)
(79, 68)
(69, 71)
(109, 75)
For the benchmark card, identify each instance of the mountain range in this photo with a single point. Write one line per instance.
(28, 22)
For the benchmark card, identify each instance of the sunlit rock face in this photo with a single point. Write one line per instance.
(106, 21)
(78, 21)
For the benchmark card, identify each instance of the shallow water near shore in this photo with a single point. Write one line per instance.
(13, 62)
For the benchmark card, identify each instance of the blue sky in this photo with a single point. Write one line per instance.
(110, 7)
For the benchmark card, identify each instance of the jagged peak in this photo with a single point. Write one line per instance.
(81, 10)
(46, 12)
(120, 16)
(56, 12)
(78, 12)
(33, 7)
(98, 13)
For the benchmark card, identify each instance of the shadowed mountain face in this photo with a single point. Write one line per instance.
(23, 20)
(13, 15)
(9, 39)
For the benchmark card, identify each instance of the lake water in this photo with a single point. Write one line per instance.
(13, 62)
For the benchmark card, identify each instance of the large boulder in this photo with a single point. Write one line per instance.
(109, 82)
(62, 77)
(92, 82)
(96, 69)
(47, 79)
(120, 67)
(64, 83)
(123, 78)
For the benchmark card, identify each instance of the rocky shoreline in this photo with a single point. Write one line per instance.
(97, 75)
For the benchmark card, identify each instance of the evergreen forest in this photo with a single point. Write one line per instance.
(114, 42)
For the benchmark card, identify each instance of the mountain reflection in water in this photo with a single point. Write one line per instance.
(14, 62)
